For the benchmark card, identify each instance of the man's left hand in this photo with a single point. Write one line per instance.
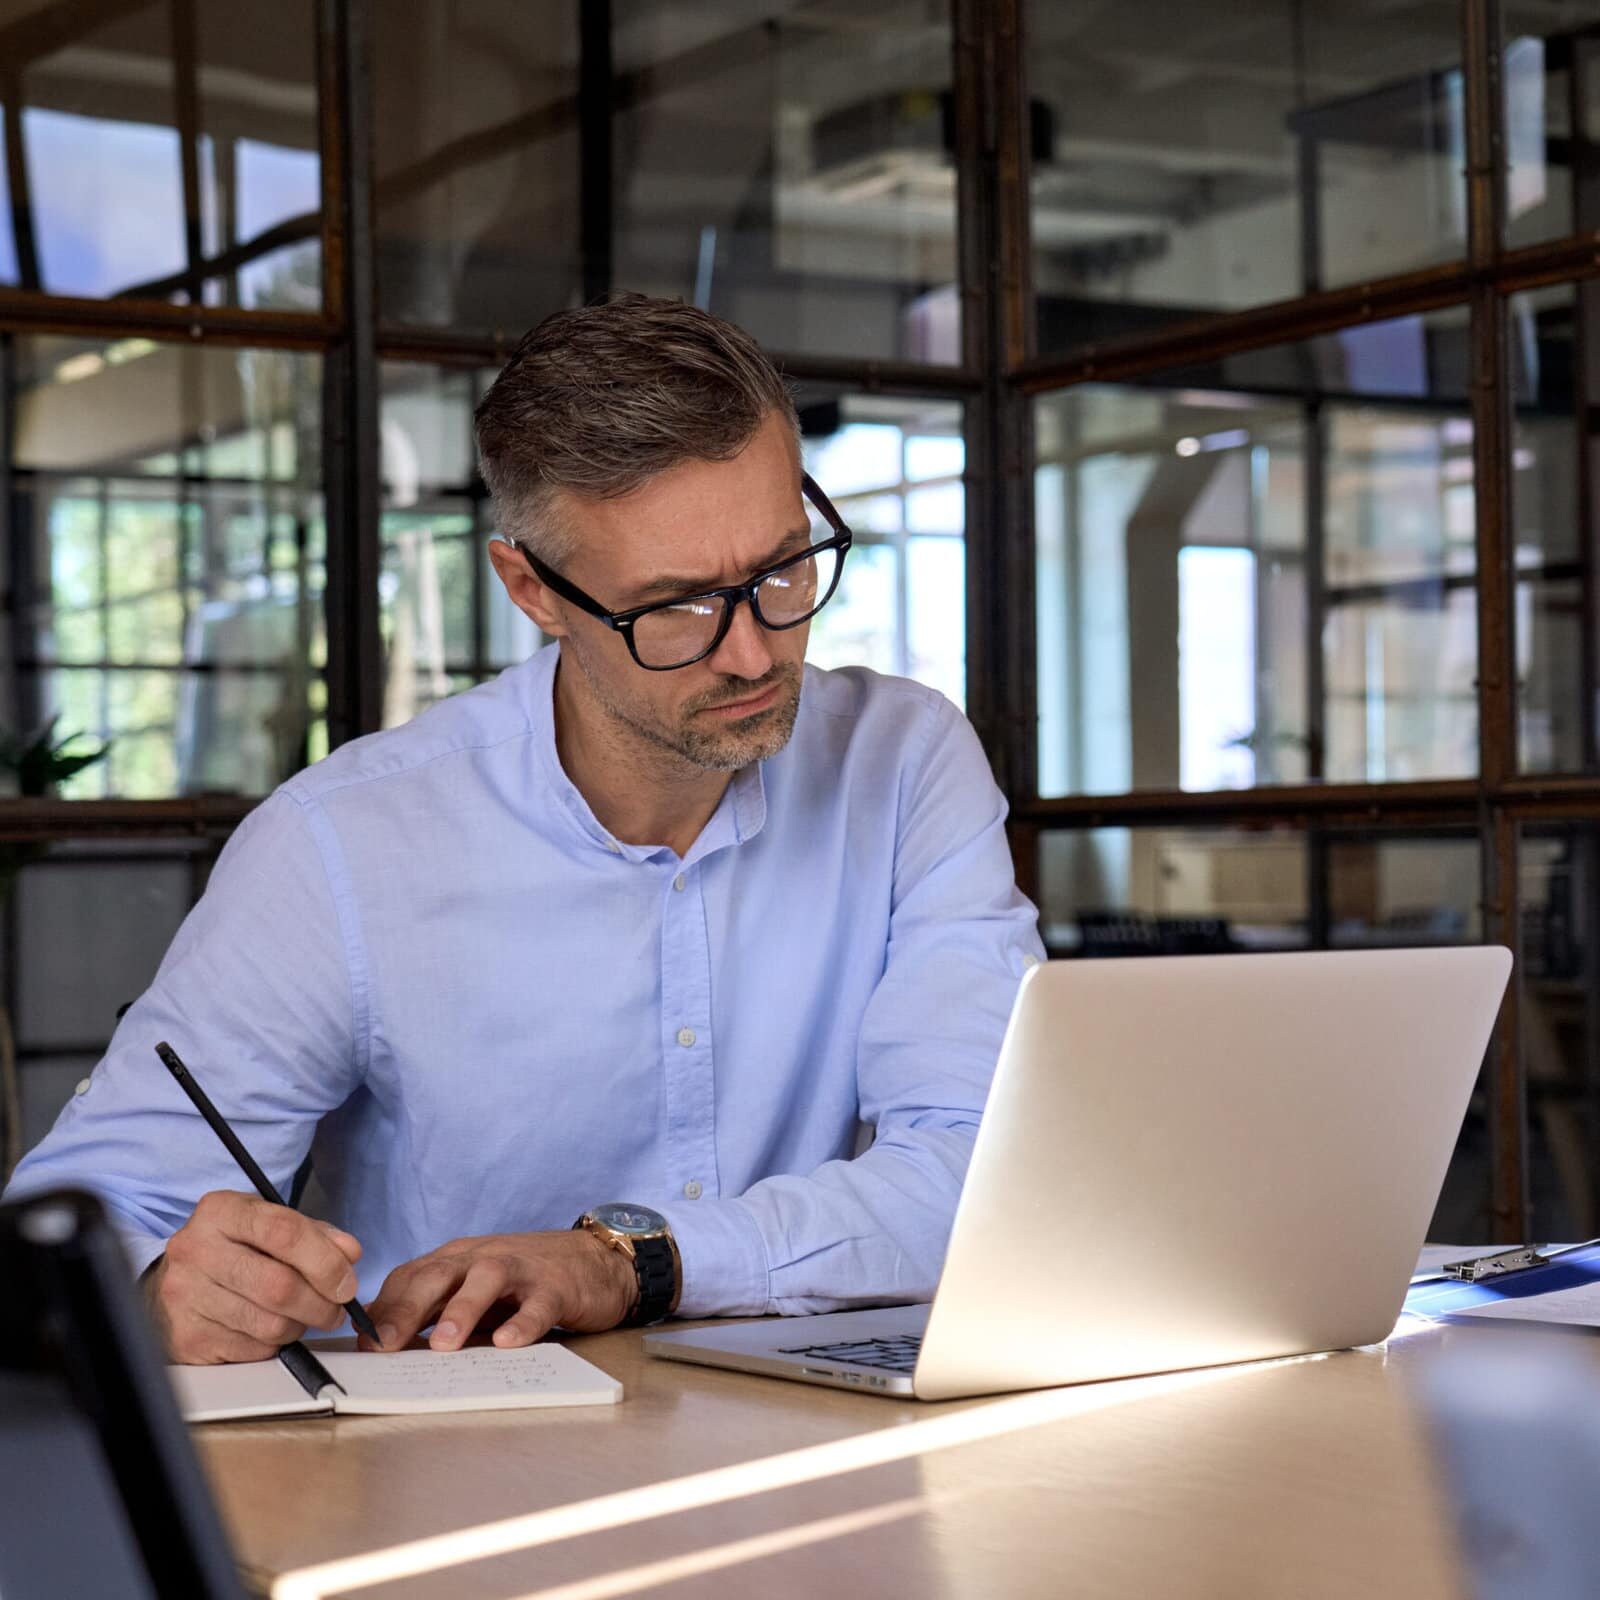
(569, 1279)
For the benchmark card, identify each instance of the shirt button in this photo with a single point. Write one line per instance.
(81, 1087)
(678, 882)
(1029, 962)
(692, 1189)
(613, 847)
(686, 1037)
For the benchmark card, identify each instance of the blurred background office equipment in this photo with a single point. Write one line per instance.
(1212, 400)
(103, 1494)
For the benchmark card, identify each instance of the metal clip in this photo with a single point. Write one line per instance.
(1481, 1267)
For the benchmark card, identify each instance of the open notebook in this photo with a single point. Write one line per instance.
(379, 1383)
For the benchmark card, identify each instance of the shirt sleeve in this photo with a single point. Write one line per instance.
(259, 998)
(874, 1230)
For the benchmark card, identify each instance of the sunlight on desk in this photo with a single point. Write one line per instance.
(920, 1433)
(1202, 1482)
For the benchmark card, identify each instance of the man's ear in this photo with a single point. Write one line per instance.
(528, 595)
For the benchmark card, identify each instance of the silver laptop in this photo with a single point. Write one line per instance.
(1183, 1161)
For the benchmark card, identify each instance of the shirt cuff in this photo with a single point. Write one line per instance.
(724, 1259)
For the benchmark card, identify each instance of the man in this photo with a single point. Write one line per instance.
(658, 917)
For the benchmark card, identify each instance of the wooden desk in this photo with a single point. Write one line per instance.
(1308, 1477)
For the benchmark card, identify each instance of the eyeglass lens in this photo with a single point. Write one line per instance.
(674, 635)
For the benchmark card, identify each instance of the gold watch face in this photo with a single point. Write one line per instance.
(635, 1221)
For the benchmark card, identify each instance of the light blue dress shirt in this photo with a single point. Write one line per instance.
(426, 960)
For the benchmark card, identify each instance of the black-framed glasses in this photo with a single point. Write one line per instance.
(668, 634)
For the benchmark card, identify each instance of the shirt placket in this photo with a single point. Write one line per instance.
(687, 1043)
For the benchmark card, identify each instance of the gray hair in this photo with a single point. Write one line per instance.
(597, 401)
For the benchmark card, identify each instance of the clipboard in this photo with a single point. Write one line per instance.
(1508, 1274)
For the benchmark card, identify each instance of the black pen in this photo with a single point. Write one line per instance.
(169, 1059)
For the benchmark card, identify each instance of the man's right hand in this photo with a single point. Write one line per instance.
(242, 1277)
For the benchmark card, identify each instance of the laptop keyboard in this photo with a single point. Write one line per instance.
(898, 1354)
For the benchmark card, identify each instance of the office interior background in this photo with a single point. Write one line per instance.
(1209, 391)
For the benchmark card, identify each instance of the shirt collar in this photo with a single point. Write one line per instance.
(740, 815)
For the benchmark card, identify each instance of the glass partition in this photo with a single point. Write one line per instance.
(1261, 571)
(787, 167)
(1559, 972)
(1172, 891)
(1209, 890)
(446, 619)
(89, 922)
(1550, 79)
(169, 561)
(893, 468)
(1182, 170)
(1387, 891)
(1552, 505)
(259, 159)
(109, 192)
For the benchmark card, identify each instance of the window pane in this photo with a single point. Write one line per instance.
(104, 205)
(1160, 889)
(1389, 891)
(46, 1085)
(92, 920)
(447, 621)
(477, 150)
(1559, 892)
(787, 169)
(1551, 483)
(893, 469)
(1181, 637)
(1550, 76)
(851, 630)
(102, 158)
(1132, 891)
(1182, 170)
(936, 614)
(92, 928)
(260, 164)
(171, 550)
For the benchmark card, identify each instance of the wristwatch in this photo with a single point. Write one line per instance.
(642, 1235)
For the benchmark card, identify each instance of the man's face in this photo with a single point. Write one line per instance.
(698, 526)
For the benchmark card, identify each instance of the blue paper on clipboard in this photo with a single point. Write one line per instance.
(1565, 1290)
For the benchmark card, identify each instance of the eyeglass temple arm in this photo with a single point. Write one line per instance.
(568, 591)
(823, 504)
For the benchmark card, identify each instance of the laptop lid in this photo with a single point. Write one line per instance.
(1199, 1159)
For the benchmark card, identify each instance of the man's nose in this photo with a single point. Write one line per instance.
(745, 651)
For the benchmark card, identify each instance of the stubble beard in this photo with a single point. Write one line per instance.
(709, 745)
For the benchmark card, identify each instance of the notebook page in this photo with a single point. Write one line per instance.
(244, 1389)
(478, 1379)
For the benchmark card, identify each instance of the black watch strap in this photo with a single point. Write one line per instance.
(655, 1267)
